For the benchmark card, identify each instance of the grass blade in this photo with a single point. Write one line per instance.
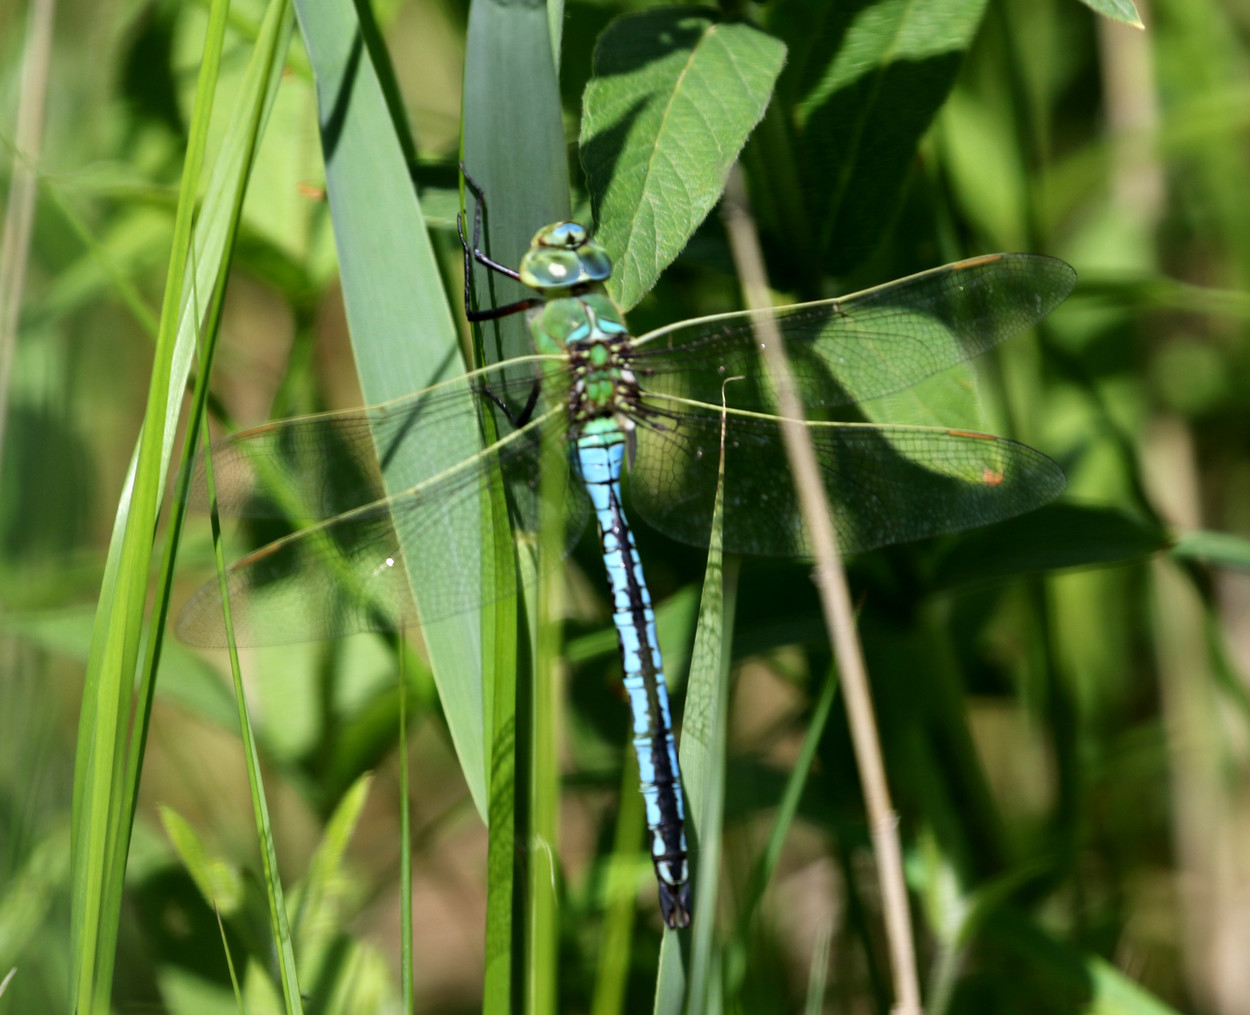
(704, 739)
(403, 333)
(279, 926)
(103, 792)
(513, 146)
(620, 895)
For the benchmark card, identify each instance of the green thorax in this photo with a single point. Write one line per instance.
(578, 319)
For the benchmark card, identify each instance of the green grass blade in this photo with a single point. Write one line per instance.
(818, 974)
(279, 926)
(621, 895)
(405, 846)
(501, 860)
(222, 213)
(314, 916)
(100, 818)
(1223, 549)
(513, 146)
(403, 333)
(542, 993)
(1116, 994)
(31, 890)
(703, 755)
(766, 865)
(218, 880)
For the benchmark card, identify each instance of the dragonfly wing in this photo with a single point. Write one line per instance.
(860, 346)
(339, 578)
(885, 484)
(349, 574)
(322, 465)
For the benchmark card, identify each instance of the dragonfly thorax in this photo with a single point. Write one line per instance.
(602, 386)
(563, 257)
(588, 330)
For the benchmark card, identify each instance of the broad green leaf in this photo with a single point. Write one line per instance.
(863, 83)
(675, 94)
(1048, 539)
(1116, 10)
(950, 399)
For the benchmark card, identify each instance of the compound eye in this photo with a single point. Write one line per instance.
(557, 268)
(563, 256)
(562, 235)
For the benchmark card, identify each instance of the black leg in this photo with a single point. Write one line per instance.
(475, 253)
(522, 417)
(507, 310)
(491, 313)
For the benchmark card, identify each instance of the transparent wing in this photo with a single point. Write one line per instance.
(322, 465)
(886, 484)
(861, 346)
(348, 573)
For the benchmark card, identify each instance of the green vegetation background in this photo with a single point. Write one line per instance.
(1062, 698)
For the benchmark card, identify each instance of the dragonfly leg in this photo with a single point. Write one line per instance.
(475, 253)
(521, 418)
(494, 313)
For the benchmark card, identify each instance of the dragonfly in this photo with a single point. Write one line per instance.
(660, 403)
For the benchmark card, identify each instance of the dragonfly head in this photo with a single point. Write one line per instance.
(564, 256)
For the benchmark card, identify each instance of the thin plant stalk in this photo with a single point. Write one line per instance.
(279, 926)
(835, 601)
(20, 216)
(405, 833)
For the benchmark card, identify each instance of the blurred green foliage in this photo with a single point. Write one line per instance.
(1061, 698)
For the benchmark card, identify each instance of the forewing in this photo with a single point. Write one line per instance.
(861, 346)
(346, 574)
(319, 466)
(885, 484)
